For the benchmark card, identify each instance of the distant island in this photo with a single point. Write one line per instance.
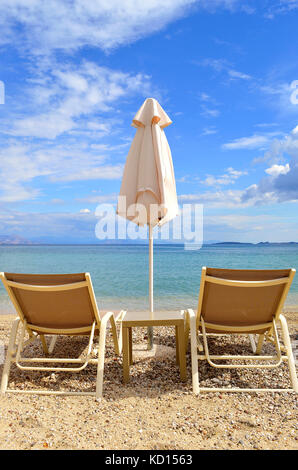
(14, 240)
(253, 244)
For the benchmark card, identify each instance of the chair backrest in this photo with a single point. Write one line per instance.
(58, 301)
(242, 297)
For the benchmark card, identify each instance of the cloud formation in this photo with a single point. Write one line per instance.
(67, 93)
(280, 184)
(227, 178)
(255, 141)
(56, 133)
(98, 23)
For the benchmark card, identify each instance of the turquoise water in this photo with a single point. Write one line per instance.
(120, 273)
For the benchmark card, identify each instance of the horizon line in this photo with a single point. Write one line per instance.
(146, 243)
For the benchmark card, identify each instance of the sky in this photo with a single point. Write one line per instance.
(74, 73)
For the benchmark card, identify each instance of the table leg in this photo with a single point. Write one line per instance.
(126, 355)
(182, 355)
(130, 347)
(177, 345)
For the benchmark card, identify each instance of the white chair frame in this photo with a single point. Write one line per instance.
(195, 320)
(34, 331)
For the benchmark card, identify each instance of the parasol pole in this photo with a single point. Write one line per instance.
(150, 328)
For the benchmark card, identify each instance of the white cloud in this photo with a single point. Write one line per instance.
(209, 112)
(279, 96)
(105, 172)
(216, 64)
(279, 185)
(227, 178)
(78, 109)
(276, 170)
(208, 106)
(100, 23)
(204, 96)
(209, 131)
(100, 198)
(234, 74)
(21, 164)
(230, 199)
(70, 93)
(219, 199)
(266, 124)
(281, 6)
(223, 66)
(42, 26)
(252, 142)
(85, 211)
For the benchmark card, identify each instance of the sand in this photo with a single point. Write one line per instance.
(155, 410)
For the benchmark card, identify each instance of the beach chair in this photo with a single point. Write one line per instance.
(56, 304)
(250, 302)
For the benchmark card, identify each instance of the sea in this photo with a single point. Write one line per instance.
(119, 273)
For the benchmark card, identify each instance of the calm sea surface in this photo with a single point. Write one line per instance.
(120, 273)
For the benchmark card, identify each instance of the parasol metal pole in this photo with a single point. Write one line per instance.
(150, 328)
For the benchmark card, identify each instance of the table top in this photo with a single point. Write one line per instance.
(146, 318)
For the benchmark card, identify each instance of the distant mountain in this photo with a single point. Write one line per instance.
(231, 243)
(255, 244)
(276, 243)
(14, 240)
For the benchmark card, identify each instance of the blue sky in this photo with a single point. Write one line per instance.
(76, 72)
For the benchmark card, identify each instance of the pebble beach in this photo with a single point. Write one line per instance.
(155, 411)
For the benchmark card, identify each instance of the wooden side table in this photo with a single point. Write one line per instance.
(141, 319)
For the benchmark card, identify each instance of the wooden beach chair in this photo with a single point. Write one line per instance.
(237, 302)
(56, 304)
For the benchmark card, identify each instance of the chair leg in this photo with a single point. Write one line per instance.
(291, 361)
(52, 344)
(177, 345)
(253, 343)
(194, 356)
(44, 345)
(130, 346)
(260, 344)
(117, 342)
(186, 329)
(100, 365)
(119, 339)
(182, 354)
(10, 352)
(125, 355)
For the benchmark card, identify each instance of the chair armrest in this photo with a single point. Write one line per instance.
(191, 313)
(110, 316)
(107, 316)
(120, 315)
